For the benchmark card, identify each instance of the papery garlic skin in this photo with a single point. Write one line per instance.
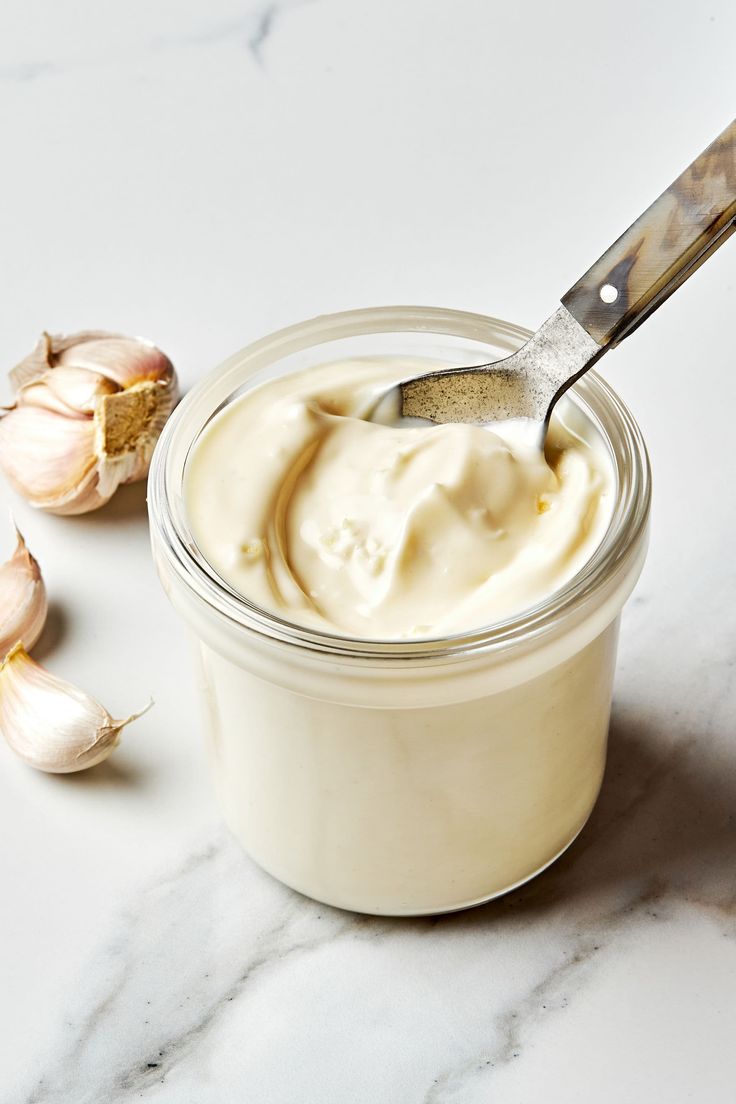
(23, 600)
(88, 411)
(51, 724)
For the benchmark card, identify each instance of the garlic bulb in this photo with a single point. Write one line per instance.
(23, 602)
(88, 411)
(50, 723)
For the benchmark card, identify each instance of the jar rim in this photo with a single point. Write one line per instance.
(173, 540)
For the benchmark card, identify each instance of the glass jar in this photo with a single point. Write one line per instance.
(413, 776)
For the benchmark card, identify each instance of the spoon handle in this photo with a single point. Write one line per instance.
(662, 248)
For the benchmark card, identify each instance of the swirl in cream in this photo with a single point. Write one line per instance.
(388, 532)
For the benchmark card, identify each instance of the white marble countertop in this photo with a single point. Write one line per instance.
(203, 173)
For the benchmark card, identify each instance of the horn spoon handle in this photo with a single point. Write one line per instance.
(665, 245)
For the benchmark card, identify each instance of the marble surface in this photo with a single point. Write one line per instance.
(203, 174)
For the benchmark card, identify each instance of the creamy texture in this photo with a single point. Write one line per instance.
(409, 810)
(366, 782)
(376, 531)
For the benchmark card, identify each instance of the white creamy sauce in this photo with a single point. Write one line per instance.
(388, 532)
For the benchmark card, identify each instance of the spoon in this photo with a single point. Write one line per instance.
(650, 260)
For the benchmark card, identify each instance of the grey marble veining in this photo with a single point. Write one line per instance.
(26, 70)
(175, 964)
(193, 946)
(204, 175)
(250, 29)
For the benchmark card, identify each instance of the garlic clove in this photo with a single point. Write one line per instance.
(34, 365)
(72, 392)
(50, 723)
(49, 459)
(23, 601)
(54, 349)
(110, 397)
(125, 360)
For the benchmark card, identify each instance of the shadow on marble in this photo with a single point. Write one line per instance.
(53, 633)
(114, 773)
(126, 505)
(664, 819)
(664, 825)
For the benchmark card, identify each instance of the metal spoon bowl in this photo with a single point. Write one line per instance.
(658, 252)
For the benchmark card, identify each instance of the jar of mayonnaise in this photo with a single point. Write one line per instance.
(404, 776)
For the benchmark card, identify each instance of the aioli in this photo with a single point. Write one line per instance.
(387, 532)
